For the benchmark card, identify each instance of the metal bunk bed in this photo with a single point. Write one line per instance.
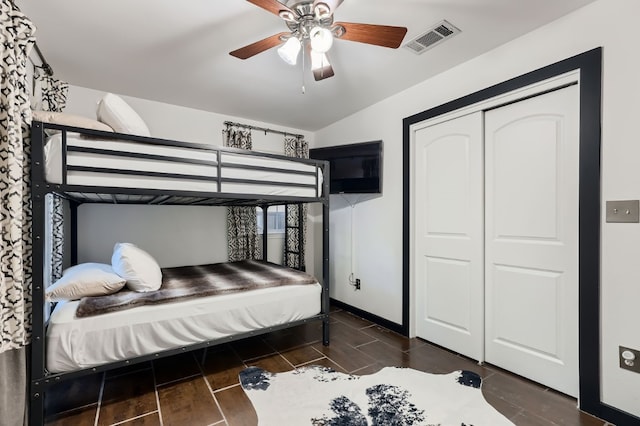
(76, 191)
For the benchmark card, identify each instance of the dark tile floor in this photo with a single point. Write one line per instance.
(202, 388)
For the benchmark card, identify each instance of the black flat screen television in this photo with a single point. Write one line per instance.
(354, 168)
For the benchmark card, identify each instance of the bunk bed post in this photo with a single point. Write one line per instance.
(38, 192)
(325, 256)
(301, 238)
(264, 208)
(73, 207)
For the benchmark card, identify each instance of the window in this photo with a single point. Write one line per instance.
(276, 218)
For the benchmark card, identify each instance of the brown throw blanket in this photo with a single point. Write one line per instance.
(189, 282)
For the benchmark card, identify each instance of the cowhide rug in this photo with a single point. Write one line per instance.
(319, 396)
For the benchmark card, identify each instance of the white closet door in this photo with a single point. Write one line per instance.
(448, 246)
(532, 149)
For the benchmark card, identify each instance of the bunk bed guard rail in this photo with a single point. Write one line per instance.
(159, 171)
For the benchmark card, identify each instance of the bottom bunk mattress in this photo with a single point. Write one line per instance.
(81, 342)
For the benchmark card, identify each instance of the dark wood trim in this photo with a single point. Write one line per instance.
(368, 316)
(589, 234)
(613, 415)
(590, 66)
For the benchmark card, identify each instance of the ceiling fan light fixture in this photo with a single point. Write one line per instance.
(338, 31)
(287, 15)
(320, 66)
(321, 39)
(289, 51)
(318, 60)
(322, 11)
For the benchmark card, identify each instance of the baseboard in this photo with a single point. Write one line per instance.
(369, 316)
(611, 414)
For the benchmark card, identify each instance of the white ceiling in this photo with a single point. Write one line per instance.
(177, 52)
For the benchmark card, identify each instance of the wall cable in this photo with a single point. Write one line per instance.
(352, 279)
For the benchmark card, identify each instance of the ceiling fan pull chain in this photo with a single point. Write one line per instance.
(303, 55)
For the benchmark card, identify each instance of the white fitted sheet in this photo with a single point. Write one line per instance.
(76, 343)
(54, 171)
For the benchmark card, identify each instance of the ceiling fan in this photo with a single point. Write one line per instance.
(311, 27)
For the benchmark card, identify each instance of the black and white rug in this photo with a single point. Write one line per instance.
(319, 396)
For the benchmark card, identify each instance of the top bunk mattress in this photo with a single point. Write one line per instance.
(114, 163)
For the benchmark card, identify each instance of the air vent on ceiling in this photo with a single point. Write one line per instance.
(434, 36)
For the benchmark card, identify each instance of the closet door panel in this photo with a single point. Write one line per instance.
(449, 236)
(448, 286)
(522, 292)
(525, 151)
(531, 231)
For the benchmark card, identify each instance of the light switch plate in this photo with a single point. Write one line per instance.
(627, 211)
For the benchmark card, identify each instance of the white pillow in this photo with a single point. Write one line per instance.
(115, 112)
(138, 267)
(69, 120)
(85, 279)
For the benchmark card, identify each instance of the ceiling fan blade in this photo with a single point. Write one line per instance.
(272, 6)
(333, 4)
(380, 35)
(258, 47)
(322, 69)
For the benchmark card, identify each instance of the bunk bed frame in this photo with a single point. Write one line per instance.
(40, 378)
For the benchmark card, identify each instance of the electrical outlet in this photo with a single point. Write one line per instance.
(357, 283)
(630, 359)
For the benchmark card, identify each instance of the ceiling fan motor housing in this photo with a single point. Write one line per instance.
(306, 19)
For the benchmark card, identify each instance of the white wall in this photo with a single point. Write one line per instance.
(175, 235)
(611, 24)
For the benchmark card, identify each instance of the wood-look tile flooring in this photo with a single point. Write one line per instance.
(201, 388)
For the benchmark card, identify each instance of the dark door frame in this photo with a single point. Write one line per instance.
(590, 66)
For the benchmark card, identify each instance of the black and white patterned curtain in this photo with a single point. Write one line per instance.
(54, 245)
(50, 94)
(296, 215)
(242, 230)
(17, 39)
(15, 116)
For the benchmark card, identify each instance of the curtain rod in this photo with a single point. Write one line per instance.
(264, 129)
(44, 64)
